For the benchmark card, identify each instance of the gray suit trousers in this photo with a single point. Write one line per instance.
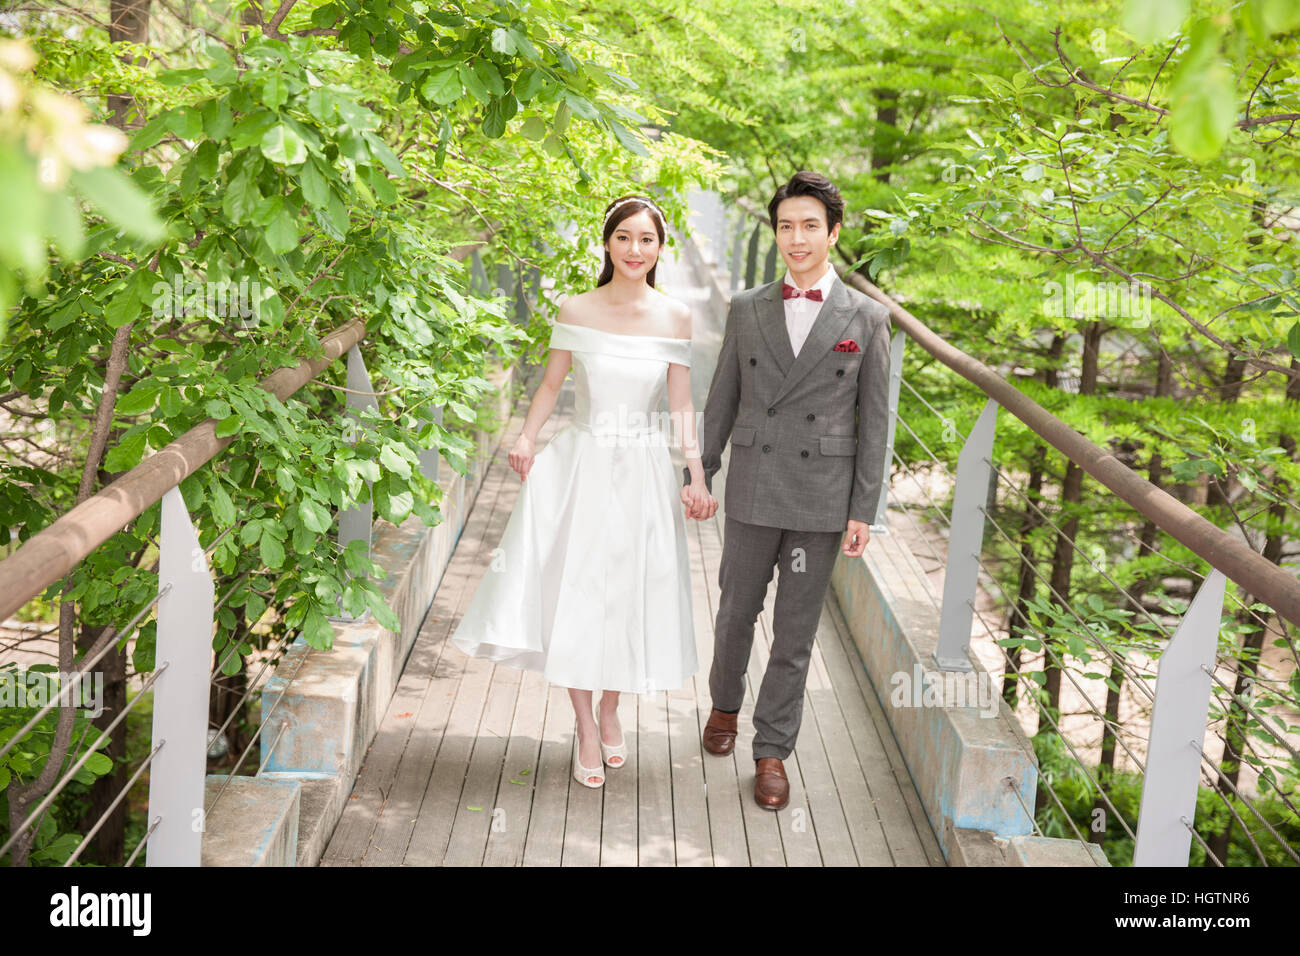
(749, 553)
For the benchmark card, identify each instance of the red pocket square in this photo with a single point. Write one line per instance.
(848, 345)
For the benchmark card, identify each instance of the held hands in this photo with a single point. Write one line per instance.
(855, 538)
(521, 456)
(700, 505)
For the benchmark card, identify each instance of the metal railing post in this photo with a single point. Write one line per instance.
(478, 280)
(737, 250)
(881, 524)
(430, 458)
(769, 266)
(180, 704)
(1178, 726)
(751, 258)
(965, 541)
(357, 522)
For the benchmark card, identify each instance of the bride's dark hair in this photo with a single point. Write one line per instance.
(636, 205)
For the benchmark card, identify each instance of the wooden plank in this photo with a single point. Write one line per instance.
(795, 824)
(442, 796)
(583, 818)
(692, 844)
(477, 813)
(906, 828)
(834, 845)
(865, 828)
(762, 834)
(618, 834)
(359, 826)
(509, 831)
(721, 786)
(395, 825)
(654, 785)
(547, 821)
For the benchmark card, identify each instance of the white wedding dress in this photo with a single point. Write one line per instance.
(591, 584)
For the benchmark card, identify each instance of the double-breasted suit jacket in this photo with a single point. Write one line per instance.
(807, 433)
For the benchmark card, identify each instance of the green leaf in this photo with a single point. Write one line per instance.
(1202, 116)
(494, 123)
(140, 399)
(223, 509)
(120, 201)
(394, 462)
(474, 83)
(282, 234)
(626, 137)
(282, 145)
(314, 188)
(381, 151)
(442, 87)
(502, 42)
(533, 128)
(1148, 20)
(126, 454)
(272, 551)
(489, 76)
(228, 426)
(529, 83)
(313, 515)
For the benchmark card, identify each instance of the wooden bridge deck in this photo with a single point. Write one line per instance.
(472, 763)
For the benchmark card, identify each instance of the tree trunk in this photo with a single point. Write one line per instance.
(1063, 556)
(1235, 726)
(129, 22)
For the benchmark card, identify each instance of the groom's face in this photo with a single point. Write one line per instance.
(803, 238)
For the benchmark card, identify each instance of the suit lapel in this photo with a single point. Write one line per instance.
(771, 323)
(826, 329)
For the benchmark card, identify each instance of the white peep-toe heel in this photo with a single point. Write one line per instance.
(611, 752)
(581, 773)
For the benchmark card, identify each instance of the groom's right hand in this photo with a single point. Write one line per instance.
(700, 507)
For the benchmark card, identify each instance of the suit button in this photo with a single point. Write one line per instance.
(767, 448)
(811, 416)
(771, 412)
(803, 454)
(753, 361)
(839, 371)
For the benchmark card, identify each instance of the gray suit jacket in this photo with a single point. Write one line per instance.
(807, 433)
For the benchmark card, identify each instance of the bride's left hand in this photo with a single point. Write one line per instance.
(688, 499)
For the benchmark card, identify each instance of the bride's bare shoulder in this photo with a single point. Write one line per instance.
(577, 309)
(677, 315)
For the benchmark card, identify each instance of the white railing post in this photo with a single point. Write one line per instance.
(357, 522)
(1178, 724)
(881, 524)
(183, 652)
(965, 540)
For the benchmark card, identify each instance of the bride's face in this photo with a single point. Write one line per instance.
(634, 245)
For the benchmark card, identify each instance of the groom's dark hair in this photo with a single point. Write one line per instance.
(807, 183)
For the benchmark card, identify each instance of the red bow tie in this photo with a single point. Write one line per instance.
(790, 292)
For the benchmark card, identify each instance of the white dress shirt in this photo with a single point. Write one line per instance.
(801, 312)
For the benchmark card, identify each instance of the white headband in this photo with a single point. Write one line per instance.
(635, 199)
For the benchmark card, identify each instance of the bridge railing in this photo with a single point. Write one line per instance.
(1173, 660)
(187, 669)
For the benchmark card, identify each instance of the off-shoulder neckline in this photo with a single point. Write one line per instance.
(623, 335)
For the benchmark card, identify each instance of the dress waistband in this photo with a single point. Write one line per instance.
(646, 435)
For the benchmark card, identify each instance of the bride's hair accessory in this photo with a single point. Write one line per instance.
(658, 212)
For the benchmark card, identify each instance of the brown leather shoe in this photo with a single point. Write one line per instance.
(771, 786)
(719, 735)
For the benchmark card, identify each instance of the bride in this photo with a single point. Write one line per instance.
(591, 583)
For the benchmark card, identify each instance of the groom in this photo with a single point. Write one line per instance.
(801, 390)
